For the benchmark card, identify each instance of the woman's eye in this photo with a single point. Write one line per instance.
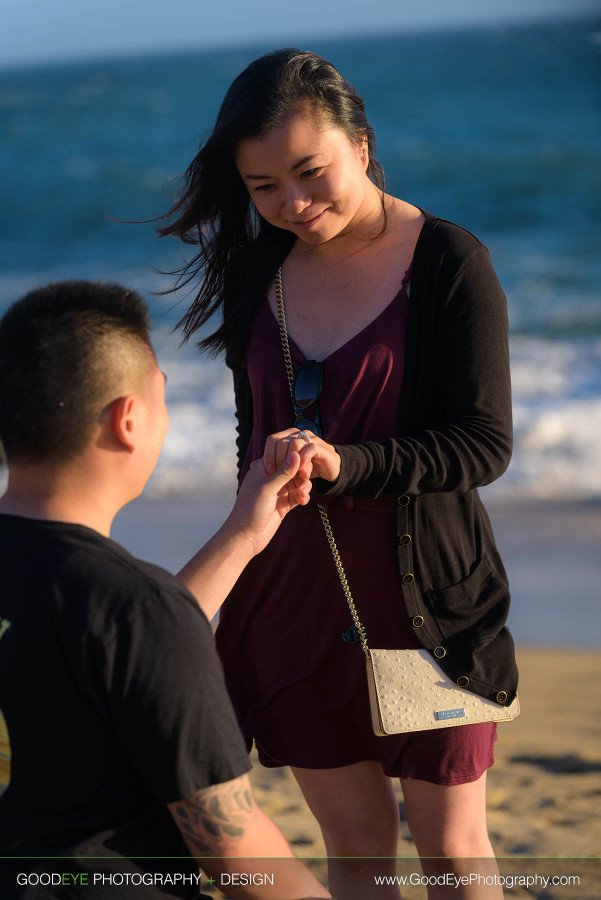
(309, 173)
(264, 187)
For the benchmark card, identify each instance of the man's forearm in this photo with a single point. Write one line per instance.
(212, 572)
(260, 506)
(230, 836)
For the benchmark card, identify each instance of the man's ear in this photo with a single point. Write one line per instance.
(123, 414)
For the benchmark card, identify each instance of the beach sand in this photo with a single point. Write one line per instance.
(544, 790)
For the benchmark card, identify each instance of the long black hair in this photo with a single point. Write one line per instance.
(214, 211)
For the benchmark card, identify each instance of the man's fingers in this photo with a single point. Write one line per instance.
(288, 469)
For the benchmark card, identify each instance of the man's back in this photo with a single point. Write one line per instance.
(113, 698)
(117, 737)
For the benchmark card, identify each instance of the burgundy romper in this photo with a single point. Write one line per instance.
(300, 691)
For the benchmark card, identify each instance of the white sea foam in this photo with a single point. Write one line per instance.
(199, 455)
(557, 422)
(556, 405)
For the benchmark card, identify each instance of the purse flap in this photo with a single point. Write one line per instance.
(414, 694)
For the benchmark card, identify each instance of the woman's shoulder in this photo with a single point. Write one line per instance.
(448, 239)
(448, 254)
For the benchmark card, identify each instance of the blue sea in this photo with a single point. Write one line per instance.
(497, 129)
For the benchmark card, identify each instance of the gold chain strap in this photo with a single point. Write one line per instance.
(342, 576)
(279, 293)
(279, 298)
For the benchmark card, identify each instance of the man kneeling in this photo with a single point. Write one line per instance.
(119, 737)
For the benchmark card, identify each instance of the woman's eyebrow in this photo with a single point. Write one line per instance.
(296, 165)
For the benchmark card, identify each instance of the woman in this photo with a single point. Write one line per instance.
(406, 316)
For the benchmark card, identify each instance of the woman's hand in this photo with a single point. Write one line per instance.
(318, 459)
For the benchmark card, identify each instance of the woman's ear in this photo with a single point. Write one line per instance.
(364, 149)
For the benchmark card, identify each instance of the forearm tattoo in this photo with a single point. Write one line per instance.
(215, 816)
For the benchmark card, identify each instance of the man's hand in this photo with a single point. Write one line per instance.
(262, 503)
(263, 500)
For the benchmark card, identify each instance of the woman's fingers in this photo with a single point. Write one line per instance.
(323, 458)
(318, 458)
(276, 449)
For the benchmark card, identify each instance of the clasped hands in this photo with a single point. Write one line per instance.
(280, 481)
(318, 459)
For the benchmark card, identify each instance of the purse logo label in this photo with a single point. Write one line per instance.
(451, 713)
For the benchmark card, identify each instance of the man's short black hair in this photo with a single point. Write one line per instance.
(66, 350)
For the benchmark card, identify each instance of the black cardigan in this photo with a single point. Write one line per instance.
(454, 435)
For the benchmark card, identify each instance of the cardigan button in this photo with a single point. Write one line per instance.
(439, 652)
(408, 578)
(405, 539)
(404, 500)
(463, 681)
(502, 697)
(418, 621)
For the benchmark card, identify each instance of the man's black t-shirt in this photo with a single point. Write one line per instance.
(112, 697)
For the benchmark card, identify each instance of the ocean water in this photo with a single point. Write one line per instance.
(496, 129)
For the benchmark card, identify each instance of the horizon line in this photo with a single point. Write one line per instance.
(243, 43)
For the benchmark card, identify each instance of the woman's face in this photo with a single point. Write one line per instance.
(307, 177)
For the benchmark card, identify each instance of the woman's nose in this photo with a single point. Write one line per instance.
(296, 199)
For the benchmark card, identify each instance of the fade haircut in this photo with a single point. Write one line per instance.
(67, 350)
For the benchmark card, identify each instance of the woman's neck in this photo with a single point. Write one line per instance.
(368, 224)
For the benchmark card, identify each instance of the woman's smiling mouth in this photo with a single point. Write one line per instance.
(307, 223)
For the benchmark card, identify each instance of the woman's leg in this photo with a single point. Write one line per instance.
(359, 817)
(449, 822)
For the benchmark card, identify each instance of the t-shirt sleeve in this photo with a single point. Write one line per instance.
(166, 698)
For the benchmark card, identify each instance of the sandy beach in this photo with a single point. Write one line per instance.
(543, 791)
(545, 787)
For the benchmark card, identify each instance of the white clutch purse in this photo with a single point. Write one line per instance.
(408, 691)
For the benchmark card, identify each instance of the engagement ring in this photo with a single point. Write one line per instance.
(304, 435)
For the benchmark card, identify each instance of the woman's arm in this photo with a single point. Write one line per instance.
(469, 441)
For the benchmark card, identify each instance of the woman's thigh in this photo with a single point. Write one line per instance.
(447, 820)
(355, 806)
(448, 825)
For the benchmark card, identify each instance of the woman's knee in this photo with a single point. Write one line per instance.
(449, 845)
(451, 839)
(362, 836)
